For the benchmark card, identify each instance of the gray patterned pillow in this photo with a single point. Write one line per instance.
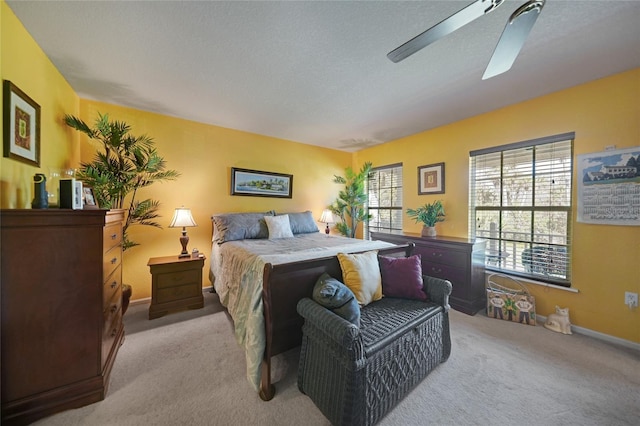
(302, 223)
(240, 226)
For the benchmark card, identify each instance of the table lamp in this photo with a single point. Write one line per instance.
(327, 218)
(182, 218)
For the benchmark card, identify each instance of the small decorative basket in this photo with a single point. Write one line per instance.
(510, 300)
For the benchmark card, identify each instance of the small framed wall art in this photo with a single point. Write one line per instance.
(261, 184)
(431, 179)
(21, 117)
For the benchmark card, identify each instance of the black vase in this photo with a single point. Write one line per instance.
(40, 197)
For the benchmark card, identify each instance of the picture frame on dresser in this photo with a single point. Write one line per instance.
(89, 200)
(21, 134)
(431, 179)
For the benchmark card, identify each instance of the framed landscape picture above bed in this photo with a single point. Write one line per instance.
(261, 184)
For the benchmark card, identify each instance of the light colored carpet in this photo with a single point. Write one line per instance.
(186, 369)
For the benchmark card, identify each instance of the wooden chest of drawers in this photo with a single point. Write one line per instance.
(61, 309)
(176, 283)
(459, 260)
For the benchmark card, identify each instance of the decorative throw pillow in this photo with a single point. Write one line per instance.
(239, 226)
(361, 273)
(278, 226)
(335, 296)
(402, 277)
(302, 223)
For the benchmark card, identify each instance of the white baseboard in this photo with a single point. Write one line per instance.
(597, 335)
(146, 300)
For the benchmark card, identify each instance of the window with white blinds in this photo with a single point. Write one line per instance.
(384, 200)
(520, 201)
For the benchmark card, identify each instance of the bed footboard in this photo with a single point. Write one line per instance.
(283, 286)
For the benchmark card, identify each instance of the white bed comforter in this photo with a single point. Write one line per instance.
(237, 268)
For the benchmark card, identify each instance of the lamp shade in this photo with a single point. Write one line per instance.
(182, 218)
(327, 216)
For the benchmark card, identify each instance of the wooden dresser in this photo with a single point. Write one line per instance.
(459, 260)
(61, 309)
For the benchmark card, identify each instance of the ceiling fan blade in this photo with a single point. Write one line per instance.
(447, 26)
(513, 37)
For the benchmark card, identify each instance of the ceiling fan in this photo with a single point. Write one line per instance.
(511, 41)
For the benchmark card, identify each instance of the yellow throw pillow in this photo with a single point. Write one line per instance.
(361, 273)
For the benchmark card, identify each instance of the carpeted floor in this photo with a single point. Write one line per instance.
(186, 369)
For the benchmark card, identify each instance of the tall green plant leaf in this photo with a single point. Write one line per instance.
(350, 204)
(123, 164)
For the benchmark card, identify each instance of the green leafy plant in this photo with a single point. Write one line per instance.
(429, 214)
(125, 164)
(350, 204)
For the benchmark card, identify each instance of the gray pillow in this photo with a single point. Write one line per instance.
(240, 226)
(337, 297)
(302, 223)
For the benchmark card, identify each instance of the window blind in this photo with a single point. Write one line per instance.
(520, 201)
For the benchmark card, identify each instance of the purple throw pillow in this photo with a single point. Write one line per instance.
(402, 277)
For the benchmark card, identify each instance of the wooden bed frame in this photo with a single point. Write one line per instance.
(283, 286)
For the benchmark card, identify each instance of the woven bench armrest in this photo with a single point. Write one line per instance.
(438, 291)
(335, 327)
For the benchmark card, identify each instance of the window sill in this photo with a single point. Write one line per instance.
(540, 283)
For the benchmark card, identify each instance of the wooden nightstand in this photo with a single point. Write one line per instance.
(176, 283)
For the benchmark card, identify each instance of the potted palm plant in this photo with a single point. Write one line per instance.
(350, 204)
(428, 215)
(125, 164)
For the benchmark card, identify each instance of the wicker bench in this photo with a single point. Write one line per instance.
(357, 375)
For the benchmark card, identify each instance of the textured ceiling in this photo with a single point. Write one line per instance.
(316, 72)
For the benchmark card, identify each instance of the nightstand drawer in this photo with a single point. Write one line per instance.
(174, 279)
(171, 294)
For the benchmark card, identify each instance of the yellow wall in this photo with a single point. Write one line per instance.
(26, 66)
(605, 258)
(204, 156)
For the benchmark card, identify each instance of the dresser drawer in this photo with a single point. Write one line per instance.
(110, 261)
(111, 285)
(457, 276)
(111, 236)
(174, 279)
(112, 311)
(109, 335)
(441, 255)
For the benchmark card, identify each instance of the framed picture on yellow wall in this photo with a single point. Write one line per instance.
(21, 118)
(431, 179)
(261, 184)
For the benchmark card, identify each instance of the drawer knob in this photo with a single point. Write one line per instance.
(114, 308)
(114, 332)
(114, 260)
(114, 236)
(113, 284)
